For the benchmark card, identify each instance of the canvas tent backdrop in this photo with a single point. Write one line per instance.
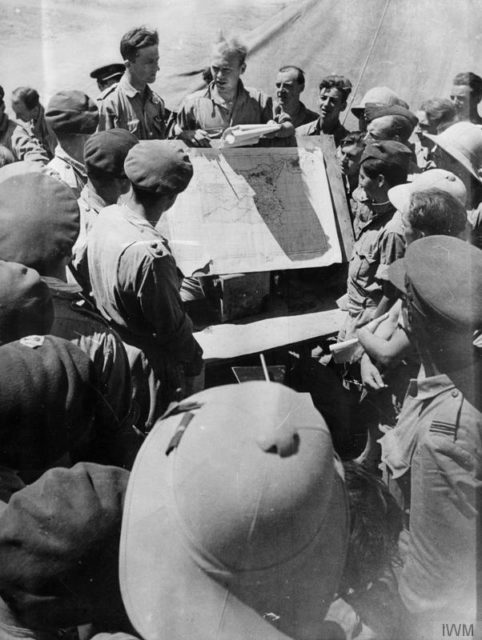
(415, 47)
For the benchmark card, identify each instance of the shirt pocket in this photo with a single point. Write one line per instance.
(365, 264)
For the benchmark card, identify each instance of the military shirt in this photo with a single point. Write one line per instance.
(205, 109)
(76, 322)
(90, 204)
(21, 142)
(124, 107)
(68, 170)
(136, 284)
(379, 241)
(314, 129)
(440, 433)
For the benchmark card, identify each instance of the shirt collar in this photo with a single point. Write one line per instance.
(138, 220)
(426, 388)
(211, 92)
(75, 164)
(91, 199)
(131, 91)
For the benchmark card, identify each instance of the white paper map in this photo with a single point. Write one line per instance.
(254, 210)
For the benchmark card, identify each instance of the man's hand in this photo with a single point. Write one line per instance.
(196, 138)
(370, 375)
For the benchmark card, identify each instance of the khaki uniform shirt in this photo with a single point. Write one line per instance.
(440, 434)
(21, 142)
(90, 205)
(68, 170)
(379, 241)
(314, 129)
(136, 284)
(124, 107)
(206, 110)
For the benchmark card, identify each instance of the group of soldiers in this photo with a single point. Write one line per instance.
(134, 503)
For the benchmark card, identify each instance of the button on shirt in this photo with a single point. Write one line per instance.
(124, 107)
(206, 110)
(439, 433)
(136, 284)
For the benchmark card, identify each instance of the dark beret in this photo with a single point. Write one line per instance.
(25, 303)
(48, 402)
(445, 275)
(389, 151)
(39, 220)
(108, 71)
(59, 548)
(107, 150)
(72, 112)
(374, 111)
(158, 165)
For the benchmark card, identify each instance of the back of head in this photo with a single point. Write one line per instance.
(72, 112)
(158, 167)
(39, 221)
(136, 39)
(59, 547)
(105, 153)
(28, 96)
(48, 402)
(398, 121)
(436, 212)
(339, 82)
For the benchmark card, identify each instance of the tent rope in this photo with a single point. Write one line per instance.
(372, 46)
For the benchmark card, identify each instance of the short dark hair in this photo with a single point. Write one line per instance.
(394, 174)
(436, 212)
(471, 80)
(354, 137)
(439, 111)
(300, 78)
(136, 39)
(341, 83)
(28, 96)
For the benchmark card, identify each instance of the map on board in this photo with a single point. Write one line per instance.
(254, 209)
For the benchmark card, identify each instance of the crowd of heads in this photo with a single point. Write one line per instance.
(236, 480)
